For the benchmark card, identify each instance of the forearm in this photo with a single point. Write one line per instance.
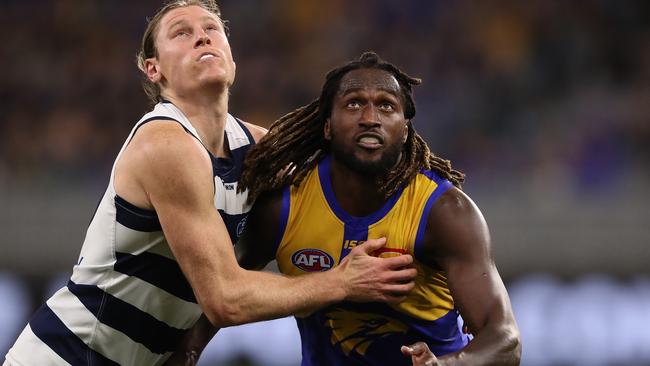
(492, 346)
(193, 343)
(255, 296)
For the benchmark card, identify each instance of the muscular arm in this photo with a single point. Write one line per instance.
(253, 251)
(166, 169)
(175, 173)
(458, 241)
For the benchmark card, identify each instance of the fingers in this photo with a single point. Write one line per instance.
(416, 349)
(398, 261)
(400, 289)
(419, 348)
(370, 245)
(402, 275)
(407, 351)
(395, 294)
(393, 299)
(420, 354)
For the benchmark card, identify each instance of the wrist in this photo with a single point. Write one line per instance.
(334, 279)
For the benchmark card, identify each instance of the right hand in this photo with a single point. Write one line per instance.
(367, 278)
(420, 354)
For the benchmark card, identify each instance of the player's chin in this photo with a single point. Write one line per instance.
(214, 73)
(214, 82)
(369, 156)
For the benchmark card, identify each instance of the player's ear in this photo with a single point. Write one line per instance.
(327, 130)
(152, 69)
(406, 131)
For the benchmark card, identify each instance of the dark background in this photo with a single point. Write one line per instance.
(545, 105)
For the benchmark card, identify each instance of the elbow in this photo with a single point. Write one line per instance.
(225, 305)
(511, 349)
(224, 314)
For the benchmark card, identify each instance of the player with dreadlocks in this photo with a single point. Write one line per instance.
(349, 167)
(297, 140)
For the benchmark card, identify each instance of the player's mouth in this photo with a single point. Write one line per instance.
(206, 56)
(370, 140)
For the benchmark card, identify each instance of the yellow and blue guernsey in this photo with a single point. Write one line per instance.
(316, 234)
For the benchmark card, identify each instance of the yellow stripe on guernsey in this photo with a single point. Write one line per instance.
(319, 234)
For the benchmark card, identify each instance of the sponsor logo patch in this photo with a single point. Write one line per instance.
(312, 260)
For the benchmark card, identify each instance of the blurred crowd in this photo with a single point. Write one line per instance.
(542, 98)
(531, 91)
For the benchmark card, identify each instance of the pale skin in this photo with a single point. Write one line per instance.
(167, 170)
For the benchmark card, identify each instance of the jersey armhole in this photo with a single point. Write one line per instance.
(248, 134)
(442, 187)
(158, 118)
(284, 218)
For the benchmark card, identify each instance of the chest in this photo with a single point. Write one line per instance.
(315, 239)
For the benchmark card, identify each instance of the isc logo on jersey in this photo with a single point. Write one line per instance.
(312, 260)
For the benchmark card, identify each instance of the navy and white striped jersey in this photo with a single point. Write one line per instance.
(127, 301)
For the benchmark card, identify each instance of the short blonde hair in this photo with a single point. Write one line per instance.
(148, 45)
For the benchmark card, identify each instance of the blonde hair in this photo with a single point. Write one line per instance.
(148, 45)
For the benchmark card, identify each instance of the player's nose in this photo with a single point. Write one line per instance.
(370, 116)
(202, 39)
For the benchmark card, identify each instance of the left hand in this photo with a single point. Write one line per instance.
(420, 354)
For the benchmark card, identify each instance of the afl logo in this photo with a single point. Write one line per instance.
(312, 260)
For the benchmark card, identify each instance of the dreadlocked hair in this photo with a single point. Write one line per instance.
(295, 143)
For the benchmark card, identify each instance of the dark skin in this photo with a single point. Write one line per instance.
(366, 120)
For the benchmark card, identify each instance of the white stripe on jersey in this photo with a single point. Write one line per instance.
(120, 349)
(228, 200)
(38, 353)
(176, 312)
(114, 271)
(131, 241)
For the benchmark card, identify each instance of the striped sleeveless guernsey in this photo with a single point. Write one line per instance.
(127, 301)
(316, 234)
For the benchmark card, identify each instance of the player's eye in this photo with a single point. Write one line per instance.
(388, 107)
(353, 104)
(181, 33)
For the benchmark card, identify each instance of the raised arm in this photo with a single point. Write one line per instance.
(458, 241)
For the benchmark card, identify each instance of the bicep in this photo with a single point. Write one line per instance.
(458, 241)
(256, 247)
(177, 177)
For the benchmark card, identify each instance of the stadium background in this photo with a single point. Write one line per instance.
(544, 104)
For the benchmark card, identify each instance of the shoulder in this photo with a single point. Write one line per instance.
(256, 131)
(454, 212)
(456, 203)
(455, 227)
(165, 139)
(164, 148)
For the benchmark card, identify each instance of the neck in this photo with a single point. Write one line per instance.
(208, 113)
(356, 193)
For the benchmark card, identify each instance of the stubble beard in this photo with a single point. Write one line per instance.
(377, 169)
